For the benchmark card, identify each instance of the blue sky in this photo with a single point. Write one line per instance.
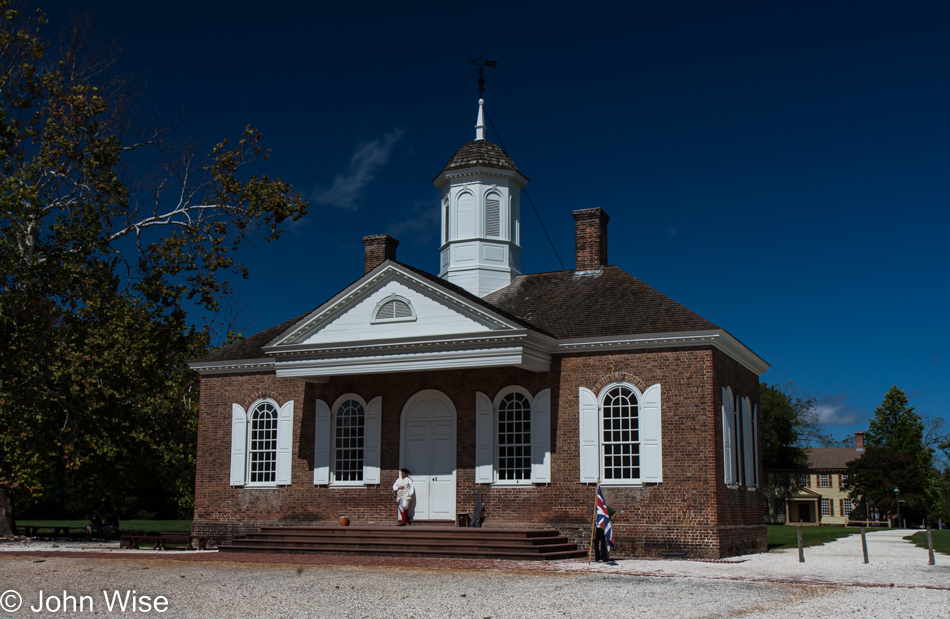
(780, 168)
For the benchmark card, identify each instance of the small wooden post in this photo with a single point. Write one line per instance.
(930, 546)
(864, 545)
(801, 548)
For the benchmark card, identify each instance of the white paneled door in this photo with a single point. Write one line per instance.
(428, 451)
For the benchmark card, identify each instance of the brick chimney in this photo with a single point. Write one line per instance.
(859, 441)
(379, 249)
(590, 239)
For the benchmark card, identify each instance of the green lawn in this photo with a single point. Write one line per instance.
(941, 540)
(782, 536)
(125, 525)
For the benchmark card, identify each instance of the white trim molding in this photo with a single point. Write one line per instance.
(717, 338)
(210, 368)
(521, 349)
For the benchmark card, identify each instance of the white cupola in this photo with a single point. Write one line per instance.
(481, 215)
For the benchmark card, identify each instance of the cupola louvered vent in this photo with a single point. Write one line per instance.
(445, 218)
(394, 309)
(493, 217)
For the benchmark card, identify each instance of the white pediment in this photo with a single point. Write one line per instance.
(435, 328)
(353, 316)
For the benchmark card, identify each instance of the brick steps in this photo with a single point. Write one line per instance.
(413, 541)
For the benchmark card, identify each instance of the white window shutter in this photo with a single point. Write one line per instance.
(372, 429)
(755, 446)
(541, 438)
(747, 451)
(238, 444)
(727, 438)
(285, 442)
(651, 444)
(736, 431)
(321, 445)
(484, 439)
(589, 429)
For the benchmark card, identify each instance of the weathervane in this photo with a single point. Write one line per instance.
(480, 65)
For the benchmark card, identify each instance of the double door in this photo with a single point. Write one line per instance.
(428, 451)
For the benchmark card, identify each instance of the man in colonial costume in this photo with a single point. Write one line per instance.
(404, 492)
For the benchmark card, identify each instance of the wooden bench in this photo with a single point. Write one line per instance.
(34, 530)
(160, 541)
(132, 541)
(185, 538)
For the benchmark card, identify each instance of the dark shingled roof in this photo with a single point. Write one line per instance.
(481, 153)
(600, 304)
(832, 457)
(562, 304)
(249, 347)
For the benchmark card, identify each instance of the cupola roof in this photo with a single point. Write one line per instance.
(480, 154)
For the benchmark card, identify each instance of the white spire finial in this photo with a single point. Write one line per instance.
(480, 123)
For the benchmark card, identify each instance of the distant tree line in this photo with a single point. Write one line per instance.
(900, 450)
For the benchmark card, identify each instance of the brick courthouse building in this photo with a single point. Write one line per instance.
(528, 386)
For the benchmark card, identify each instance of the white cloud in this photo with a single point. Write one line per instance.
(348, 185)
(832, 410)
(420, 224)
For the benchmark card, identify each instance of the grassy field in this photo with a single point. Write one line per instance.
(126, 525)
(782, 536)
(941, 540)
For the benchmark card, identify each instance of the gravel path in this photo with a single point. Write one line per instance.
(833, 581)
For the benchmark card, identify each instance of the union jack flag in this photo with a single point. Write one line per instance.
(603, 518)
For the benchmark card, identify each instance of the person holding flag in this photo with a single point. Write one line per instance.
(603, 532)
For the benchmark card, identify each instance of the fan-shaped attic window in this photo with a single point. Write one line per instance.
(394, 309)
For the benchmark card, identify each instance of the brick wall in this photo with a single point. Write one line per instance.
(691, 510)
(741, 508)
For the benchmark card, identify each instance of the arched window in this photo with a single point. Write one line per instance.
(262, 444)
(394, 309)
(620, 432)
(739, 440)
(620, 435)
(349, 427)
(514, 438)
(466, 215)
(445, 221)
(347, 440)
(729, 438)
(515, 225)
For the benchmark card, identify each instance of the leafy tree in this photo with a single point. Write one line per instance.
(106, 234)
(942, 494)
(898, 455)
(788, 423)
(897, 427)
(937, 438)
(873, 477)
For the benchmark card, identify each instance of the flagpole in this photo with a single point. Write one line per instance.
(600, 464)
(593, 524)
